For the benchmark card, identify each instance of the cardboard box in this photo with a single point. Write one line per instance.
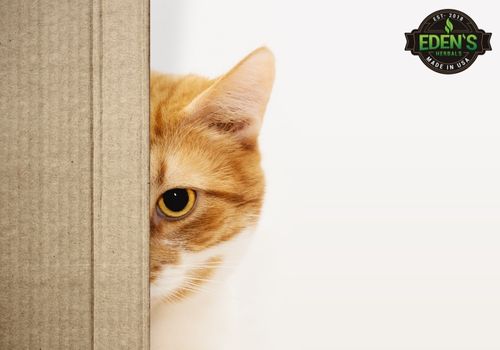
(74, 225)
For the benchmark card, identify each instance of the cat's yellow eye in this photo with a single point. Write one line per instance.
(177, 202)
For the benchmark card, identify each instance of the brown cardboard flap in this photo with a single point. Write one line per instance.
(74, 232)
(121, 161)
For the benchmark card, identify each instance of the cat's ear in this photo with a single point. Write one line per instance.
(235, 103)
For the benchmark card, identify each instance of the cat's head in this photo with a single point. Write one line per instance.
(206, 183)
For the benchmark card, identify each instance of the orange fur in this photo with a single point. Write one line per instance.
(204, 137)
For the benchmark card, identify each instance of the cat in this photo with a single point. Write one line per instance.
(206, 190)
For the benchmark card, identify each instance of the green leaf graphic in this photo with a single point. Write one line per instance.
(449, 26)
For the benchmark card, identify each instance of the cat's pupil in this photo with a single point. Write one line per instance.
(176, 199)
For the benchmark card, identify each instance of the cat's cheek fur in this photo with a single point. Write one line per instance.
(217, 260)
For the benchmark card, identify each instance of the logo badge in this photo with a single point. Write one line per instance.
(448, 41)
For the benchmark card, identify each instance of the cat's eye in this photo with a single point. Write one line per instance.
(177, 202)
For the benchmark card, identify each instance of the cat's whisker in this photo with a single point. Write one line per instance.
(172, 297)
(208, 280)
(208, 283)
(201, 281)
(209, 288)
(200, 266)
(191, 268)
(204, 284)
(193, 288)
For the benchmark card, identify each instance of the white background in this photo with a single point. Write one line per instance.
(381, 227)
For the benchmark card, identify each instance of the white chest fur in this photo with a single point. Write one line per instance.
(206, 320)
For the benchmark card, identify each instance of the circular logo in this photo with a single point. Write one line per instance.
(448, 41)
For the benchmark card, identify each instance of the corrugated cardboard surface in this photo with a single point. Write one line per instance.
(74, 174)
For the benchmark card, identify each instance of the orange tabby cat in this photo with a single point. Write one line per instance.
(206, 192)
